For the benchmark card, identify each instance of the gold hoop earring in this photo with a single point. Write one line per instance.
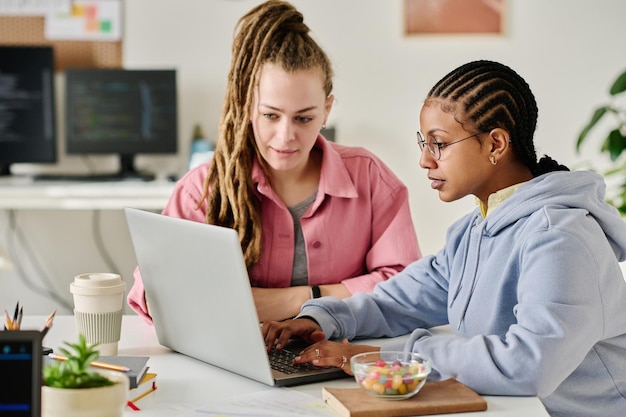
(493, 160)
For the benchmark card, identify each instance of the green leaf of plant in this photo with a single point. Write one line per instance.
(72, 373)
(619, 85)
(90, 358)
(617, 170)
(615, 143)
(597, 115)
(65, 351)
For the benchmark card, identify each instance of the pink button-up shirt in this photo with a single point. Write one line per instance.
(358, 231)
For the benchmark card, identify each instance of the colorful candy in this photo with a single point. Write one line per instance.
(390, 379)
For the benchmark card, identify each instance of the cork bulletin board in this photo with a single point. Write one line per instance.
(29, 30)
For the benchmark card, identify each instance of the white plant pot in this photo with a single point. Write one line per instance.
(87, 402)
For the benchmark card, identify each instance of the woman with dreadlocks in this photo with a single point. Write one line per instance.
(313, 217)
(529, 282)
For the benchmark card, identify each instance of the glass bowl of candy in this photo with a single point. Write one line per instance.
(391, 375)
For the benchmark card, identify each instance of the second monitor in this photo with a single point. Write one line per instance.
(123, 112)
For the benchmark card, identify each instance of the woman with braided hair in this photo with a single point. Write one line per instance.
(313, 217)
(529, 282)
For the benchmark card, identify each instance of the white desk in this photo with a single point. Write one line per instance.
(25, 194)
(183, 381)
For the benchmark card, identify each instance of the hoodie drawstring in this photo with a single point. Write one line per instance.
(474, 274)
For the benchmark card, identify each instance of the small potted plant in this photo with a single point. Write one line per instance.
(71, 388)
(612, 116)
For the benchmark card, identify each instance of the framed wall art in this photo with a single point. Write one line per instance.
(454, 17)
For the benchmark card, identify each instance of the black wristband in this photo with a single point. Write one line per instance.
(315, 292)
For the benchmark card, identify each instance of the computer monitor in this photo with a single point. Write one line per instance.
(20, 367)
(27, 113)
(123, 112)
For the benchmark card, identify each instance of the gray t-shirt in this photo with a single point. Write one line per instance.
(300, 271)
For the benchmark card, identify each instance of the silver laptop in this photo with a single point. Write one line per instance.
(200, 298)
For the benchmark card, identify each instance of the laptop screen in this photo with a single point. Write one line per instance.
(20, 367)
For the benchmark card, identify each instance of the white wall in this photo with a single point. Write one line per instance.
(568, 50)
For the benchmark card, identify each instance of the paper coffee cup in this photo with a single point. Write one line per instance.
(98, 307)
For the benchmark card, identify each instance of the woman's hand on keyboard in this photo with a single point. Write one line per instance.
(327, 353)
(278, 333)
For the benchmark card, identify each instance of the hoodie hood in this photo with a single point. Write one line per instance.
(581, 189)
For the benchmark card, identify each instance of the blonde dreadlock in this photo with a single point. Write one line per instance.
(273, 32)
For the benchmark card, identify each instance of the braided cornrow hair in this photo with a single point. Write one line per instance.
(273, 32)
(490, 95)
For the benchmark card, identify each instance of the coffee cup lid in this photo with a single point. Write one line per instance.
(97, 283)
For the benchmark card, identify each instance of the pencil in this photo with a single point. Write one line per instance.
(19, 318)
(17, 310)
(97, 364)
(51, 317)
(8, 323)
(47, 324)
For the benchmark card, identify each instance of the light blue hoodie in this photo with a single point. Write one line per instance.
(534, 295)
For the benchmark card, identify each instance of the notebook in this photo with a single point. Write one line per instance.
(20, 367)
(200, 299)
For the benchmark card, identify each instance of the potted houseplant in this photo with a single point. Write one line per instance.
(614, 143)
(71, 388)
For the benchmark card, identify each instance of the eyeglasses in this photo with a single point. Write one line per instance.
(435, 147)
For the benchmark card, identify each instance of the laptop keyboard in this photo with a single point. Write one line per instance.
(282, 360)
